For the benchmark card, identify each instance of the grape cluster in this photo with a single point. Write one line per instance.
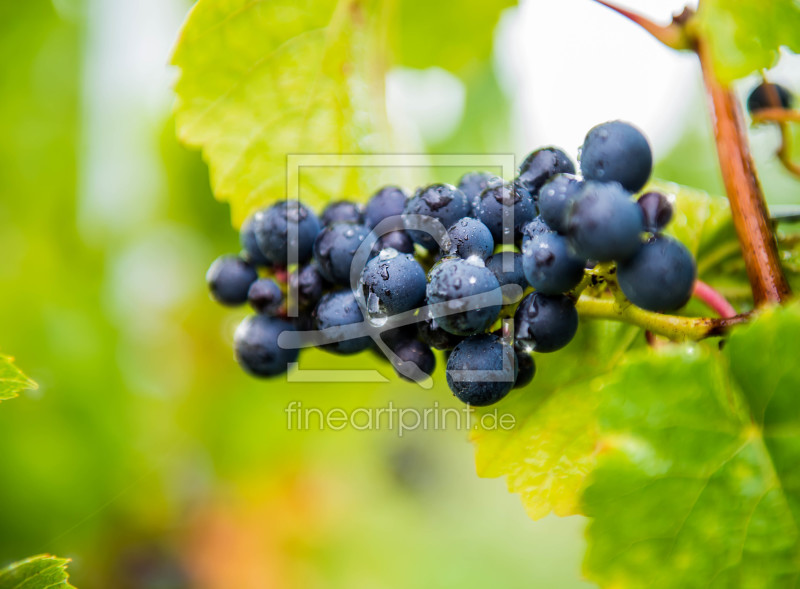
(487, 271)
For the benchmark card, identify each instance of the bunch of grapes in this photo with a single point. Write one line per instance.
(488, 271)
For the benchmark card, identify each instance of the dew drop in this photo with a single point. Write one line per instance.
(387, 254)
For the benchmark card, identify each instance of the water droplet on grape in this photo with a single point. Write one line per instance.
(387, 254)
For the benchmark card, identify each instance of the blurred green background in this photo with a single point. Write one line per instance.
(146, 455)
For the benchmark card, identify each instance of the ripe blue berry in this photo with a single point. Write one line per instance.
(389, 201)
(343, 211)
(413, 353)
(526, 369)
(265, 296)
(397, 240)
(284, 229)
(339, 313)
(256, 346)
(229, 278)
(545, 323)
(767, 95)
(450, 281)
(481, 370)
(604, 224)
(334, 249)
(252, 252)
(533, 228)
(541, 165)
(505, 208)
(308, 285)
(549, 265)
(656, 211)
(431, 333)
(442, 202)
(617, 152)
(470, 237)
(393, 283)
(555, 199)
(660, 277)
(473, 183)
(516, 275)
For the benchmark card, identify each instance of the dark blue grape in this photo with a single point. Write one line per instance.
(431, 333)
(604, 224)
(660, 277)
(555, 199)
(229, 278)
(481, 370)
(393, 283)
(343, 211)
(545, 323)
(308, 285)
(276, 235)
(535, 227)
(247, 238)
(394, 335)
(397, 240)
(767, 95)
(473, 183)
(656, 211)
(265, 296)
(335, 311)
(413, 352)
(334, 249)
(505, 208)
(303, 322)
(450, 281)
(470, 237)
(516, 275)
(442, 202)
(389, 201)
(549, 265)
(526, 369)
(540, 166)
(617, 152)
(256, 346)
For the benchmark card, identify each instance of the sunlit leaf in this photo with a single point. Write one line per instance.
(746, 36)
(444, 34)
(262, 80)
(697, 482)
(548, 454)
(12, 380)
(39, 572)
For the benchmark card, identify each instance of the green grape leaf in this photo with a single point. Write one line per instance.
(697, 483)
(746, 36)
(259, 81)
(39, 572)
(12, 380)
(425, 36)
(548, 454)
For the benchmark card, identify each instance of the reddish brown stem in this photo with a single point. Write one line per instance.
(776, 114)
(713, 299)
(749, 210)
(672, 35)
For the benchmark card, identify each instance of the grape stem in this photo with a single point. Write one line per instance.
(713, 299)
(673, 327)
(672, 35)
(748, 207)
